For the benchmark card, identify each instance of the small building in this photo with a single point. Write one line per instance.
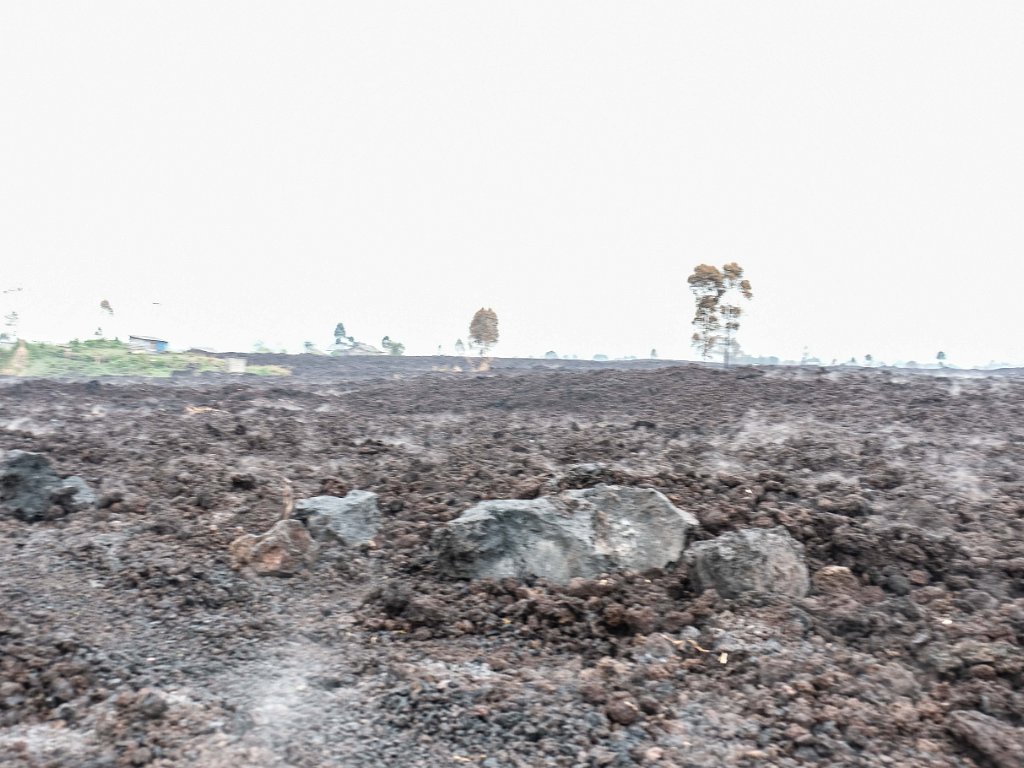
(147, 344)
(235, 364)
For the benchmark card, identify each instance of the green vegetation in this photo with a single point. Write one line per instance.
(104, 357)
(392, 347)
(268, 370)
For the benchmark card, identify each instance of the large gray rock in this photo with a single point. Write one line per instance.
(352, 520)
(517, 538)
(998, 741)
(756, 560)
(579, 533)
(637, 528)
(73, 494)
(31, 491)
(284, 550)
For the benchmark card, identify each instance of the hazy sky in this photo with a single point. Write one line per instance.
(264, 170)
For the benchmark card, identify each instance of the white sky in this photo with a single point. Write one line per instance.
(266, 169)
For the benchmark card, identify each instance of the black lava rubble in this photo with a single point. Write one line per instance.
(884, 629)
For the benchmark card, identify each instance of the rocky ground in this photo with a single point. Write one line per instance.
(130, 636)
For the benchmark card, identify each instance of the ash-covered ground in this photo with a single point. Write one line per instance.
(128, 639)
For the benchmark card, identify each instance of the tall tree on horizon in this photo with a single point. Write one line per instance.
(11, 322)
(483, 330)
(392, 347)
(716, 294)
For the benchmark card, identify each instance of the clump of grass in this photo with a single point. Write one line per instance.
(268, 370)
(104, 357)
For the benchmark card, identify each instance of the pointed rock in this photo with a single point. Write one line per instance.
(284, 550)
(352, 520)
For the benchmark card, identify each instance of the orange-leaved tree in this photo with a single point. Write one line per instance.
(483, 330)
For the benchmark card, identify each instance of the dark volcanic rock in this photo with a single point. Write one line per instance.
(151, 704)
(835, 580)
(31, 490)
(623, 711)
(752, 560)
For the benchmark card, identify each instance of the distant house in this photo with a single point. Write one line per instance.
(236, 364)
(147, 344)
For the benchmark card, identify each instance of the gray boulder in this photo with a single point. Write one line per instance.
(637, 528)
(757, 561)
(352, 520)
(517, 538)
(31, 491)
(998, 741)
(581, 533)
(74, 494)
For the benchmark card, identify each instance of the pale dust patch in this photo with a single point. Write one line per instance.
(959, 472)
(998, 385)
(985, 441)
(280, 697)
(28, 424)
(333, 392)
(833, 480)
(46, 743)
(96, 413)
(280, 404)
(407, 442)
(755, 431)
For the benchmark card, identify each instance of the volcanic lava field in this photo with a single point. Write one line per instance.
(131, 636)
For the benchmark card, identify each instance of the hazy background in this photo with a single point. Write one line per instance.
(264, 170)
